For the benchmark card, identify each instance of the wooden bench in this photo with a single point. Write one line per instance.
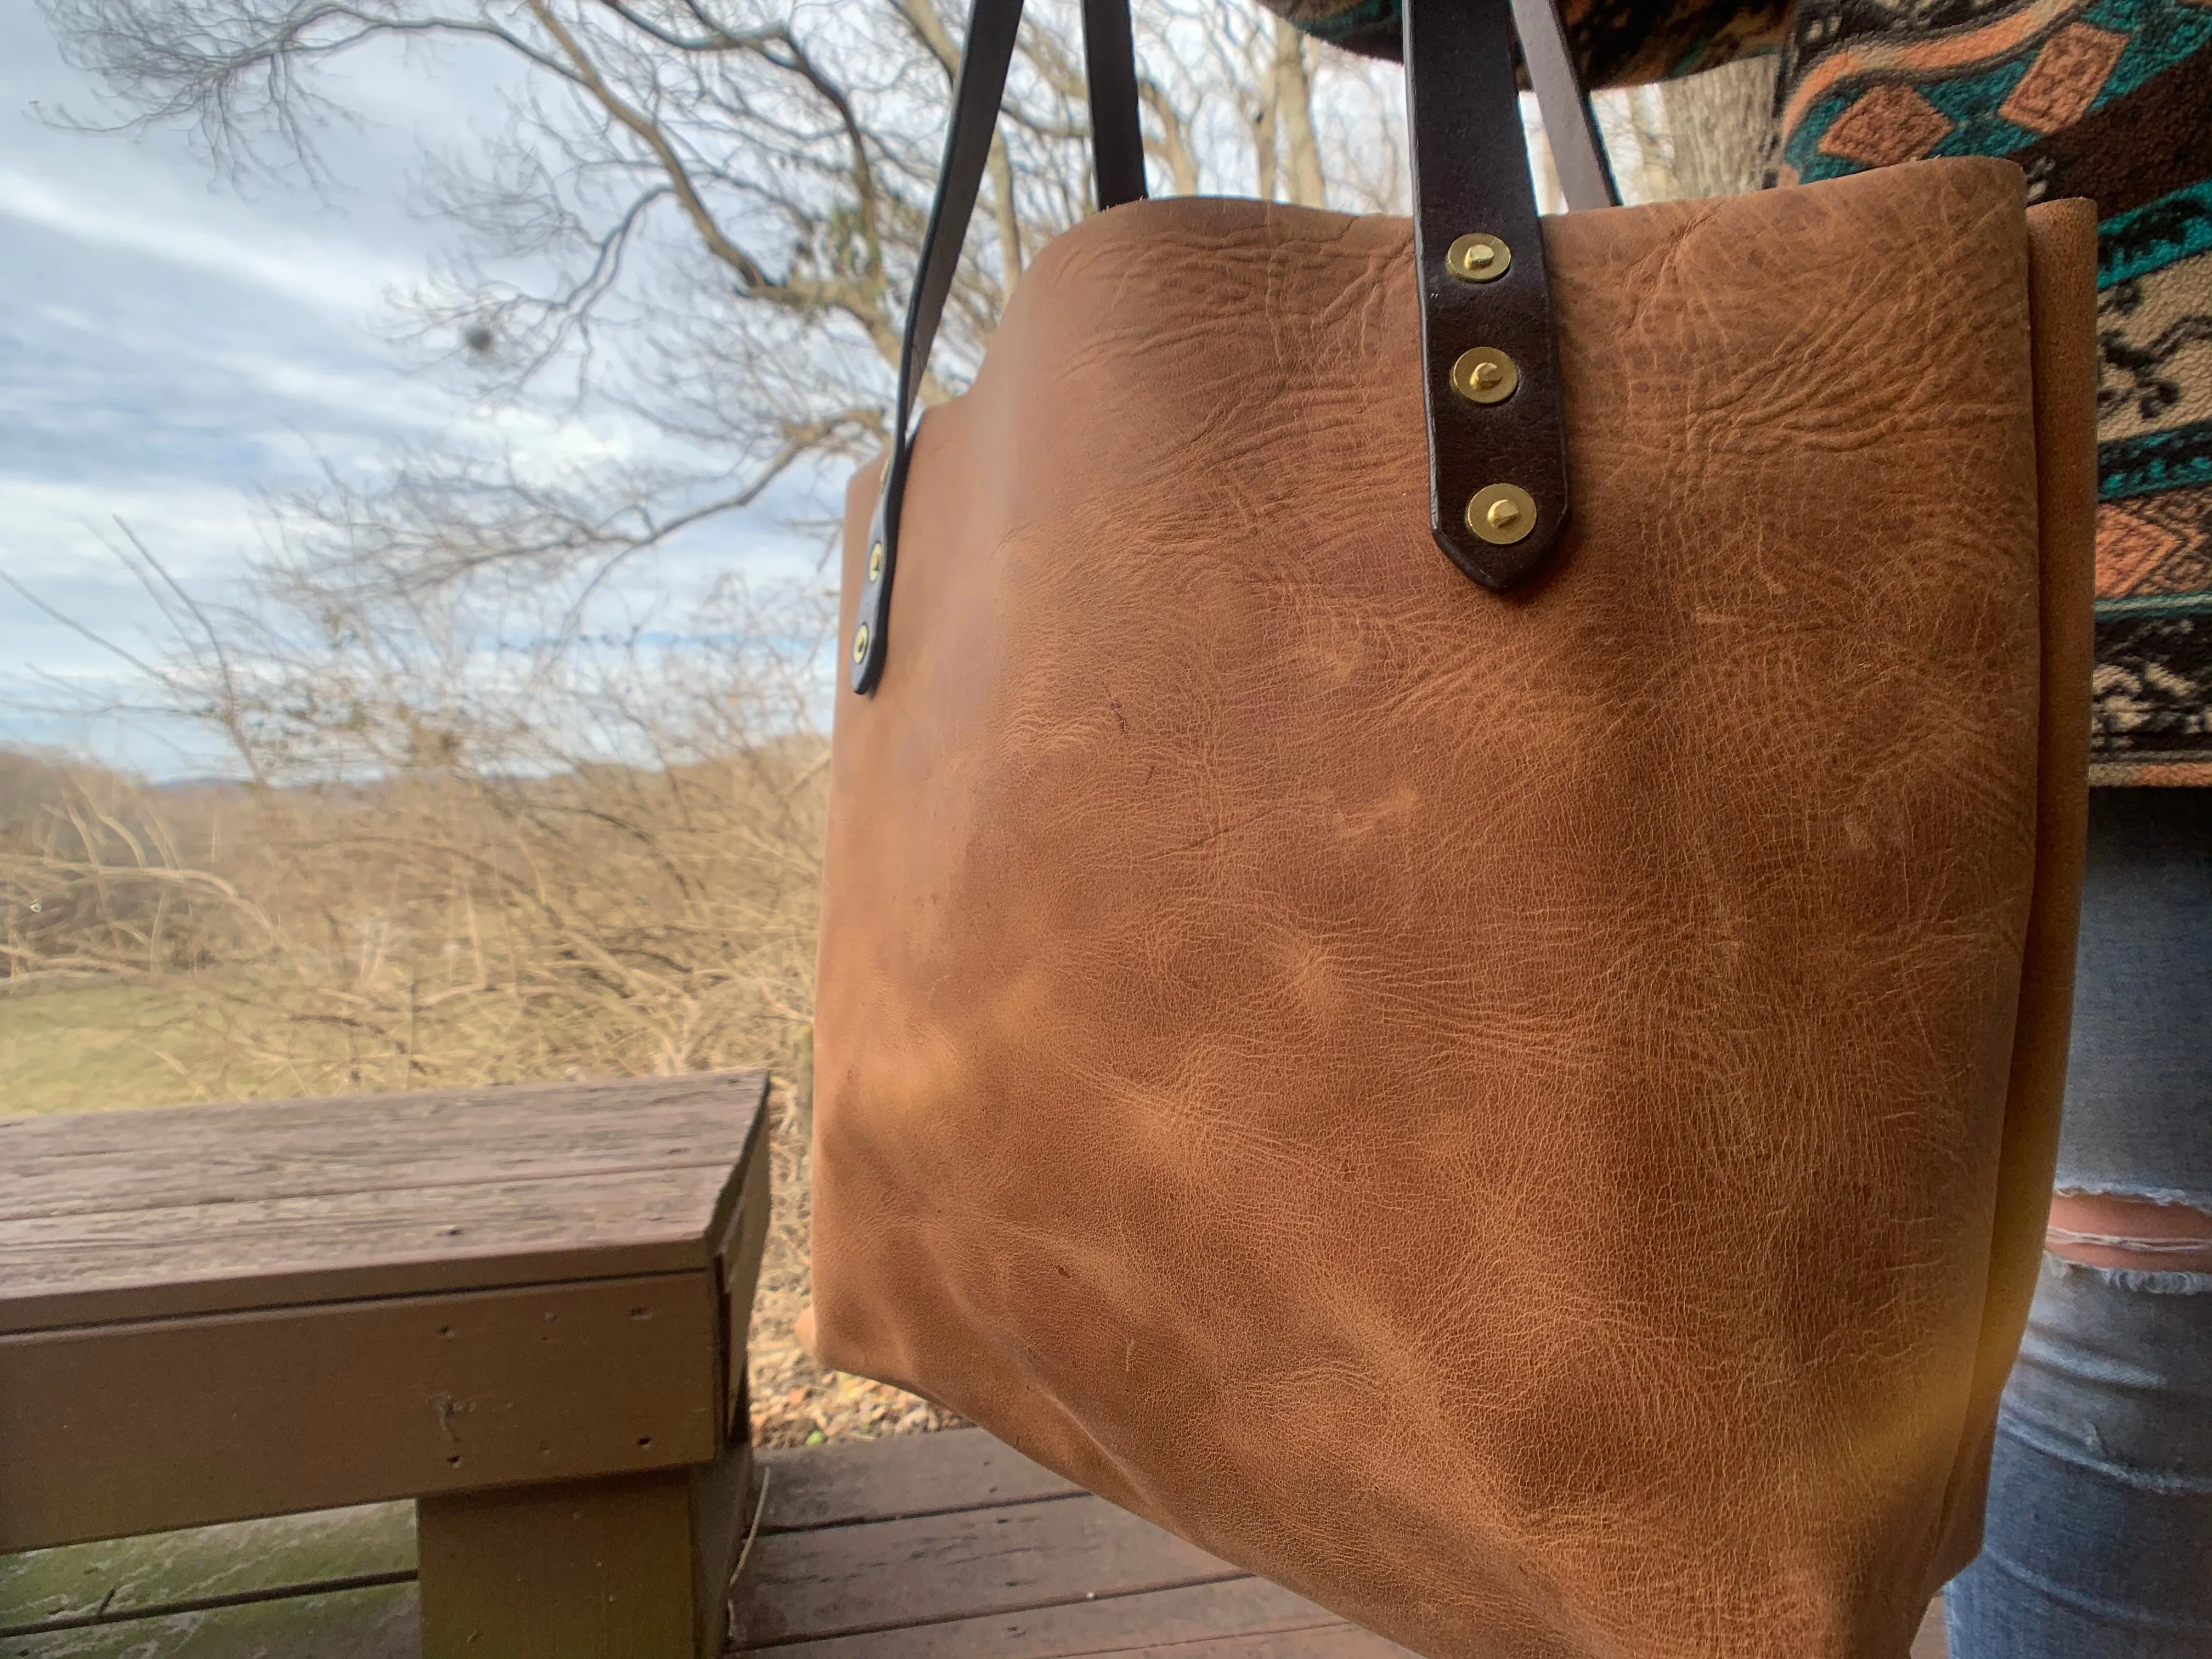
(523, 1307)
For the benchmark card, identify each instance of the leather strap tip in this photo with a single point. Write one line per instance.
(868, 671)
(1497, 568)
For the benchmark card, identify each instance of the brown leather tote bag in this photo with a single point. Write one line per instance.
(1451, 877)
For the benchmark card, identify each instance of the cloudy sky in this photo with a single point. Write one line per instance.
(171, 347)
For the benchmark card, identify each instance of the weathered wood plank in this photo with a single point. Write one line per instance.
(116, 1215)
(902, 1475)
(189, 1155)
(1326, 1642)
(134, 1575)
(842, 1580)
(377, 1623)
(636, 1568)
(224, 1150)
(1239, 1608)
(1335, 1641)
(111, 1430)
(147, 1264)
(739, 1252)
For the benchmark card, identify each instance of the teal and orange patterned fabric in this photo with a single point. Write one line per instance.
(2110, 99)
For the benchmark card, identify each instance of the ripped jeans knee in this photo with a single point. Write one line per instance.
(2135, 1235)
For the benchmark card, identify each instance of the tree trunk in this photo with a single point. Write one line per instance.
(1003, 209)
(1723, 123)
(1172, 148)
(1263, 146)
(1290, 91)
(1549, 198)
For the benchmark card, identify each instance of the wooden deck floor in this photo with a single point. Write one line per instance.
(953, 1546)
(933, 1546)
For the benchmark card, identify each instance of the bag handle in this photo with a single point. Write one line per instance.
(1569, 125)
(1498, 464)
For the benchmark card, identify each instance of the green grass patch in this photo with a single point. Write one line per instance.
(102, 1047)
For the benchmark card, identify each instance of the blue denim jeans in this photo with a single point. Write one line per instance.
(2099, 1539)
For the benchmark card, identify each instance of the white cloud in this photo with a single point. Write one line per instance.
(326, 274)
(48, 524)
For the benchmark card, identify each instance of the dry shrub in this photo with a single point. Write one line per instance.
(608, 867)
(100, 879)
(443, 928)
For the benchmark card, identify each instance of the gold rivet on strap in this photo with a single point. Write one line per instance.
(860, 642)
(1484, 375)
(1501, 514)
(875, 561)
(1478, 257)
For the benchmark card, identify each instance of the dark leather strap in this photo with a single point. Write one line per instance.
(1470, 175)
(1471, 178)
(1117, 137)
(1117, 150)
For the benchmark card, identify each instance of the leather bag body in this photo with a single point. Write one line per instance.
(1524, 1117)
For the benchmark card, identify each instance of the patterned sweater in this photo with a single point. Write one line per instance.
(2106, 98)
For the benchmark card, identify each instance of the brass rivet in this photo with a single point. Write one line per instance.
(1501, 514)
(860, 643)
(1478, 257)
(875, 561)
(1484, 375)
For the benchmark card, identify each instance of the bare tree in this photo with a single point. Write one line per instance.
(701, 212)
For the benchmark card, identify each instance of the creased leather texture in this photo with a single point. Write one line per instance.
(1492, 1112)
